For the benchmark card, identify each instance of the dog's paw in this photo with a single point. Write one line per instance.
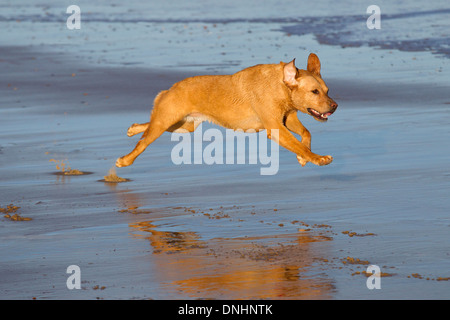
(132, 130)
(324, 160)
(318, 160)
(301, 161)
(120, 162)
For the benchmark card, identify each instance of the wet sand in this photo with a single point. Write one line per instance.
(223, 232)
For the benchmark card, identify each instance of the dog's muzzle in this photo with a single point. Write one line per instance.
(323, 116)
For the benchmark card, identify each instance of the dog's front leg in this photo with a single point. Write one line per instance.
(288, 141)
(294, 125)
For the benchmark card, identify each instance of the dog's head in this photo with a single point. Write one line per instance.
(309, 92)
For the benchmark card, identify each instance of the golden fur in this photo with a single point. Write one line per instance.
(265, 96)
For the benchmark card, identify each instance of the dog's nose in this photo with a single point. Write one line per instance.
(334, 105)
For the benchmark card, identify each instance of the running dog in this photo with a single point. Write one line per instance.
(262, 97)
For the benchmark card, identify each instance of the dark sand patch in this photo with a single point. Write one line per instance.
(355, 234)
(49, 86)
(10, 212)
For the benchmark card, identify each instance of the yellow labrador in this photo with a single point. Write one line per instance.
(265, 96)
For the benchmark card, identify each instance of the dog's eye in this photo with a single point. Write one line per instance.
(315, 91)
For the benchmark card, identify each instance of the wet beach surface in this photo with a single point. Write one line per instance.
(219, 231)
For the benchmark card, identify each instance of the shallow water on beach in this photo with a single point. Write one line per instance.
(222, 231)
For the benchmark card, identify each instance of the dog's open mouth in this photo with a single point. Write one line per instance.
(319, 116)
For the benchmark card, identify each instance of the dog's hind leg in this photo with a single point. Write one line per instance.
(165, 114)
(153, 131)
(180, 126)
(137, 128)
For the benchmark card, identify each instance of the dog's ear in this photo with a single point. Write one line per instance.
(290, 74)
(314, 64)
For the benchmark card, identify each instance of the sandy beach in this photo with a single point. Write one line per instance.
(204, 231)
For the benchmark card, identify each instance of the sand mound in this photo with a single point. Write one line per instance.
(65, 170)
(112, 177)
